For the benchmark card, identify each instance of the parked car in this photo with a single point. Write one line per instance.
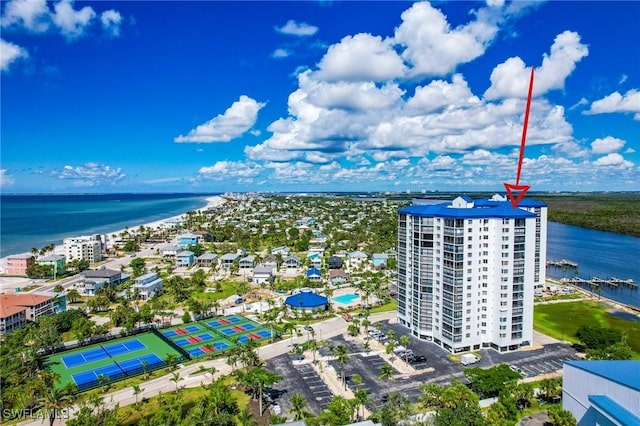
(308, 328)
(418, 359)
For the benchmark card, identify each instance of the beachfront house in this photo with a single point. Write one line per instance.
(227, 259)
(94, 280)
(185, 258)
(56, 261)
(170, 250)
(147, 285)
(356, 259)
(335, 262)
(207, 260)
(271, 261)
(292, 262)
(282, 250)
(247, 262)
(314, 275)
(107, 276)
(314, 259)
(317, 245)
(262, 274)
(338, 277)
(379, 260)
(17, 264)
(188, 240)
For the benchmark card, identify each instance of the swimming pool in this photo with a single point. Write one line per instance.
(345, 299)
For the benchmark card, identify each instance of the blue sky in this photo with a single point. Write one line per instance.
(317, 96)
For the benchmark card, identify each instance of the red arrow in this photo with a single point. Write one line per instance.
(517, 187)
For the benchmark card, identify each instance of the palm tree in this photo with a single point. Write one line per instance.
(361, 399)
(342, 355)
(73, 295)
(391, 345)
(386, 373)
(404, 341)
(298, 405)
(54, 400)
(137, 391)
(289, 327)
(175, 378)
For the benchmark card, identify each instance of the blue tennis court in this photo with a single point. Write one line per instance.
(195, 352)
(124, 347)
(264, 333)
(192, 328)
(220, 345)
(182, 342)
(136, 365)
(84, 357)
(90, 378)
(169, 334)
(248, 326)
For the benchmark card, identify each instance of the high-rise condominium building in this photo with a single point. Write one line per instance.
(467, 271)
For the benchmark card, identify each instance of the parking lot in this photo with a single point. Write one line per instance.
(303, 378)
(297, 378)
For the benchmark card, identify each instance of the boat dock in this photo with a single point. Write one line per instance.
(562, 263)
(610, 282)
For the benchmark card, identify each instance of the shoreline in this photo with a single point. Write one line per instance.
(620, 306)
(211, 202)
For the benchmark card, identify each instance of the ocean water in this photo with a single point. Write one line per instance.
(28, 221)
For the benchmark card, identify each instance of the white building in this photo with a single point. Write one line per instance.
(83, 248)
(467, 271)
(147, 285)
(602, 392)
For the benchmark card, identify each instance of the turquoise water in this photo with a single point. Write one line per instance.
(345, 299)
(28, 221)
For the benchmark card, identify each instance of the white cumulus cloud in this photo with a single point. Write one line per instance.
(91, 174)
(111, 21)
(10, 53)
(511, 78)
(613, 159)
(300, 29)
(606, 145)
(37, 17)
(32, 15)
(222, 170)
(236, 120)
(361, 57)
(72, 23)
(616, 102)
(433, 48)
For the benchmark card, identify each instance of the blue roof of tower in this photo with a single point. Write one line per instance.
(480, 209)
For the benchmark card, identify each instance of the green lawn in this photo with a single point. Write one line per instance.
(562, 320)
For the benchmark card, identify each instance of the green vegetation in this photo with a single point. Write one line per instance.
(562, 321)
(619, 212)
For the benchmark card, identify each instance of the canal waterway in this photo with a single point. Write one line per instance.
(598, 254)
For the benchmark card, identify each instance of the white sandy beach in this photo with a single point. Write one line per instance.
(7, 283)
